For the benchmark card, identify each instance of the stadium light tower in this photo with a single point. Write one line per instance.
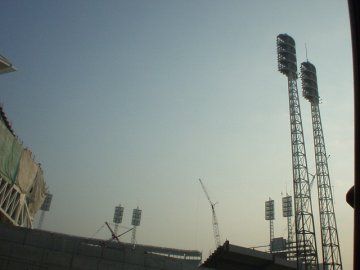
(287, 212)
(45, 207)
(329, 235)
(306, 250)
(118, 216)
(135, 222)
(270, 215)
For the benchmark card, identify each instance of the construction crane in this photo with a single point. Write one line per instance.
(215, 222)
(329, 235)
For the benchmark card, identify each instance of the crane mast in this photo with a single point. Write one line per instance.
(306, 250)
(329, 235)
(215, 222)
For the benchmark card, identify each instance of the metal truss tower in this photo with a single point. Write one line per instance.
(306, 250)
(287, 212)
(135, 222)
(215, 222)
(45, 207)
(329, 235)
(270, 215)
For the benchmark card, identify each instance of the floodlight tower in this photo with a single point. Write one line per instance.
(306, 250)
(287, 212)
(118, 216)
(329, 235)
(135, 222)
(270, 215)
(45, 207)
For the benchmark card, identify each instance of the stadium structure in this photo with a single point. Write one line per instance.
(24, 248)
(22, 185)
(23, 191)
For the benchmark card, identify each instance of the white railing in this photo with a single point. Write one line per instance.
(13, 205)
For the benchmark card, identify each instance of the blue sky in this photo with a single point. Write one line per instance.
(132, 101)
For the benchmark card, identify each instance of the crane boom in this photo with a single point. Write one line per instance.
(206, 193)
(215, 222)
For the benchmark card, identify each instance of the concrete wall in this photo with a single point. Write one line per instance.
(22, 248)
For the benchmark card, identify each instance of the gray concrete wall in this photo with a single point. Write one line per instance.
(22, 248)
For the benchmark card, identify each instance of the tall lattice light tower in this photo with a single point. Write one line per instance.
(45, 207)
(135, 222)
(329, 234)
(306, 250)
(118, 216)
(287, 212)
(270, 215)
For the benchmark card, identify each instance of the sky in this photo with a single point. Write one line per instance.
(133, 101)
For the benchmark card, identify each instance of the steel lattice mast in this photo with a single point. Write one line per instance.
(135, 222)
(287, 212)
(306, 250)
(329, 236)
(270, 215)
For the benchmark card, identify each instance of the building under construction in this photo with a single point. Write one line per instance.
(22, 185)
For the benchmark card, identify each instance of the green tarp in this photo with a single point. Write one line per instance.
(26, 172)
(38, 193)
(10, 153)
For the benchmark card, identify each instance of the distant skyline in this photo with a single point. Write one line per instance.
(133, 101)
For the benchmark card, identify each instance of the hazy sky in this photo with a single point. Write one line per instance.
(132, 101)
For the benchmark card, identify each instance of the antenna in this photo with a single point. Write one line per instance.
(306, 52)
